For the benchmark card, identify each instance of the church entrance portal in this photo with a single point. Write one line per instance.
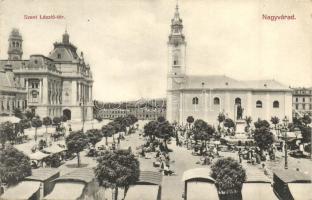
(67, 113)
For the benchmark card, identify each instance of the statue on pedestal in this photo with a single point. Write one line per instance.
(240, 111)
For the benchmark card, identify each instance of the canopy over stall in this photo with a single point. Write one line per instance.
(199, 185)
(257, 186)
(53, 149)
(22, 191)
(147, 187)
(38, 155)
(12, 119)
(290, 184)
(43, 174)
(71, 185)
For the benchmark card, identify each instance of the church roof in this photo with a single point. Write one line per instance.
(225, 82)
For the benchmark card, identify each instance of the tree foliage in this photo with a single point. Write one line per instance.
(149, 129)
(117, 169)
(94, 135)
(57, 121)
(14, 166)
(76, 142)
(108, 131)
(29, 115)
(18, 113)
(275, 120)
(228, 173)
(221, 118)
(46, 121)
(262, 135)
(262, 123)
(229, 123)
(202, 131)
(7, 132)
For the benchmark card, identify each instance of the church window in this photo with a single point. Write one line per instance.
(296, 99)
(216, 101)
(303, 99)
(59, 56)
(195, 101)
(275, 104)
(259, 104)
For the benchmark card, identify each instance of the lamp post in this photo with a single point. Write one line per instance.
(83, 112)
(285, 120)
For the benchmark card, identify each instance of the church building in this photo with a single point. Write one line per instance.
(54, 85)
(204, 97)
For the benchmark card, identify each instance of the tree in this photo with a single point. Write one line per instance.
(117, 169)
(190, 120)
(306, 134)
(63, 118)
(161, 119)
(94, 136)
(203, 131)
(29, 115)
(263, 137)
(221, 118)
(150, 129)
(46, 122)
(18, 113)
(57, 121)
(108, 131)
(14, 167)
(24, 124)
(262, 123)
(248, 121)
(7, 132)
(229, 174)
(306, 120)
(275, 120)
(76, 142)
(164, 130)
(36, 123)
(229, 123)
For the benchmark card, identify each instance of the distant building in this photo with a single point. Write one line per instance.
(12, 93)
(302, 101)
(60, 84)
(143, 109)
(204, 97)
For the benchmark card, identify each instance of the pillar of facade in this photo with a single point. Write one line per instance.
(249, 104)
(181, 108)
(267, 106)
(227, 104)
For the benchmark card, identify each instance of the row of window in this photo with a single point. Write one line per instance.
(216, 101)
(18, 104)
(304, 106)
(303, 99)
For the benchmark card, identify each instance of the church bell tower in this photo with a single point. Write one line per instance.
(15, 50)
(176, 68)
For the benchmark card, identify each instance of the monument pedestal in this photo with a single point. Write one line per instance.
(240, 126)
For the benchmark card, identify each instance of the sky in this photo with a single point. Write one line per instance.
(125, 41)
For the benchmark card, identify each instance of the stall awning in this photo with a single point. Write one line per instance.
(43, 174)
(37, 155)
(12, 119)
(22, 191)
(201, 191)
(202, 173)
(142, 192)
(300, 191)
(66, 191)
(53, 149)
(258, 191)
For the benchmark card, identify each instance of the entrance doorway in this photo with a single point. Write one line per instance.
(67, 113)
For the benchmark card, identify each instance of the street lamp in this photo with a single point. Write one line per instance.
(82, 102)
(285, 120)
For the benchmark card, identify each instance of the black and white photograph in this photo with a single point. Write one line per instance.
(155, 100)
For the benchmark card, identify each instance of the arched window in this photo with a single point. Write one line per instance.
(195, 100)
(275, 104)
(175, 60)
(238, 101)
(216, 101)
(259, 104)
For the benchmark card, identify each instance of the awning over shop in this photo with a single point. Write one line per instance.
(37, 155)
(258, 191)
(66, 191)
(53, 149)
(12, 119)
(201, 191)
(300, 191)
(202, 173)
(22, 191)
(142, 192)
(42, 174)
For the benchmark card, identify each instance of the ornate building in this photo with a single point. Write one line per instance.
(60, 84)
(205, 97)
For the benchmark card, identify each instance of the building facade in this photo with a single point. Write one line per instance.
(302, 101)
(55, 85)
(142, 109)
(204, 97)
(12, 93)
